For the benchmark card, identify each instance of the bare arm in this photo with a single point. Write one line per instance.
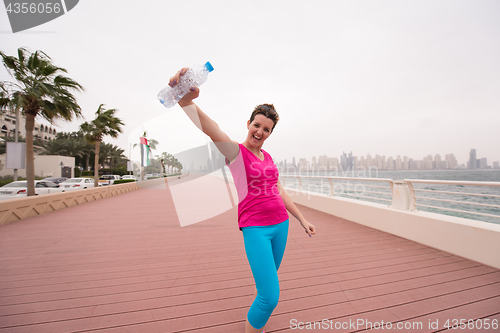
(226, 146)
(290, 206)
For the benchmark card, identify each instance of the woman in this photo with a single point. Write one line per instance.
(262, 210)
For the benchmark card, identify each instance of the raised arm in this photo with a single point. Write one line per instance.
(226, 146)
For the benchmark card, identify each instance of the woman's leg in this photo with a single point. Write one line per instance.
(279, 243)
(264, 247)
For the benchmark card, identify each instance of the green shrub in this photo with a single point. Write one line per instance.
(121, 181)
(6, 181)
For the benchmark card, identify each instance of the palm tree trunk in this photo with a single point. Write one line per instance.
(30, 156)
(96, 163)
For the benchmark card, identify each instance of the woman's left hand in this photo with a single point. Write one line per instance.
(309, 228)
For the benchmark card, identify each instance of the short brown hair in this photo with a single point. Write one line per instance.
(266, 110)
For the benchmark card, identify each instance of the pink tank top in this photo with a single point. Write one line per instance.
(260, 203)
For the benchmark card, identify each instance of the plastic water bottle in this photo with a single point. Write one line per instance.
(194, 77)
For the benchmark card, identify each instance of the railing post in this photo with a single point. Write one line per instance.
(331, 187)
(400, 195)
(413, 199)
(300, 184)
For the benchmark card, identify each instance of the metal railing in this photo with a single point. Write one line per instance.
(343, 189)
(406, 190)
(413, 195)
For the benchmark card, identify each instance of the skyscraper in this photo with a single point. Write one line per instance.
(323, 163)
(347, 161)
(438, 162)
(451, 161)
(472, 159)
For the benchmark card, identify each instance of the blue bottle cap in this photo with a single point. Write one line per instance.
(208, 66)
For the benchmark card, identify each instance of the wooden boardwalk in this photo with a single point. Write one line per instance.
(124, 264)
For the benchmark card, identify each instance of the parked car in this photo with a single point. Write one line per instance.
(56, 180)
(108, 179)
(19, 189)
(77, 183)
(128, 177)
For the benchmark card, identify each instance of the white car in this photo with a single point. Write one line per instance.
(108, 179)
(128, 177)
(19, 189)
(77, 183)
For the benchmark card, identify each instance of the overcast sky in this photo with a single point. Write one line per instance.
(407, 78)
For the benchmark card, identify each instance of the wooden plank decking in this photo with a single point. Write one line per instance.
(124, 264)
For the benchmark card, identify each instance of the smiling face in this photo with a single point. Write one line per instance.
(259, 130)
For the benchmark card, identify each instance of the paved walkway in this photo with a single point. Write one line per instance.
(124, 264)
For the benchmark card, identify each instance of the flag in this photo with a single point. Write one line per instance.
(144, 152)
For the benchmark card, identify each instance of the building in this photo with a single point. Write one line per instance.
(472, 164)
(333, 164)
(323, 163)
(438, 163)
(314, 164)
(45, 166)
(8, 127)
(399, 163)
(406, 163)
(390, 163)
(451, 161)
(427, 163)
(483, 163)
(303, 165)
(347, 161)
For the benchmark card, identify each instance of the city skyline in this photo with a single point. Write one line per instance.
(381, 162)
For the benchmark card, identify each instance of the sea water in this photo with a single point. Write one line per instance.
(380, 192)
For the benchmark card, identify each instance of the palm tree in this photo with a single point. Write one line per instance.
(41, 90)
(87, 149)
(52, 147)
(70, 147)
(69, 144)
(167, 160)
(104, 152)
(178, 165)
(105, 123)
(116, 156)
(111, 154)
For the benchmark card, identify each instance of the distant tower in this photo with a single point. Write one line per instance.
(472, 159)
(347, 161)
(314, 164)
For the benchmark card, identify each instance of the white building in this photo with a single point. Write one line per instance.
(8, 127)
(399, 163)
(451, 161)
(45, 166)
(323, 163)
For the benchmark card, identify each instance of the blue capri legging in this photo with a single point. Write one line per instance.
(265, 246)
